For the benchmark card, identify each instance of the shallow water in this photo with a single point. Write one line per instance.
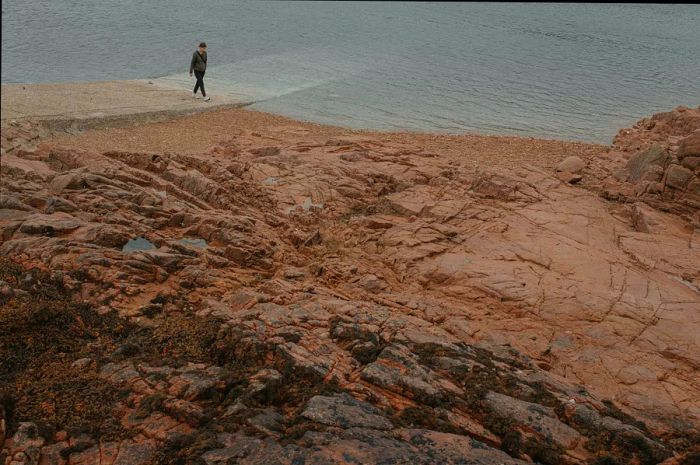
(565, 71)
(138, 244)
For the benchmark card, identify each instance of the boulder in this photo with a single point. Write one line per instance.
(690, 146)
(641, 162)
(678, 177)
(571, 164)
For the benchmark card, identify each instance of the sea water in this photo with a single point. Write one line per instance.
(562, 71)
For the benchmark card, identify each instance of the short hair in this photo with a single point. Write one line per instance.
(203, 44)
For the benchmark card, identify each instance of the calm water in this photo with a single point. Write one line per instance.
(563, 71)
(138, 244)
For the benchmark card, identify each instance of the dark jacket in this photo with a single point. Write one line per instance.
(199, 62)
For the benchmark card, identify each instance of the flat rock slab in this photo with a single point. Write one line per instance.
(533, 416)
(56, 223)
(344, 411)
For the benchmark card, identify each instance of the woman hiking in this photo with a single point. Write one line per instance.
(199, 66)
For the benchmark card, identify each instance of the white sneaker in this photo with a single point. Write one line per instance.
(206, 99)
(194, 95)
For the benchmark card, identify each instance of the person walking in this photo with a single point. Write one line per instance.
(199, 66)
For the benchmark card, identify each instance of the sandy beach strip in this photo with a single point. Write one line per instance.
(85, 103)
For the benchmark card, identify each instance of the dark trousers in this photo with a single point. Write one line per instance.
(200, 82)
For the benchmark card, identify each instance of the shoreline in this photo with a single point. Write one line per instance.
(45, 103)
(159, 118)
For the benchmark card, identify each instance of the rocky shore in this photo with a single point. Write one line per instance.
(287, 293)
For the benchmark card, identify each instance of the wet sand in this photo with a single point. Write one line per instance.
(98, 104)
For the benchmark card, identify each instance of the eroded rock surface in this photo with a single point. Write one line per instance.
(353, 301)
(657, 162)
